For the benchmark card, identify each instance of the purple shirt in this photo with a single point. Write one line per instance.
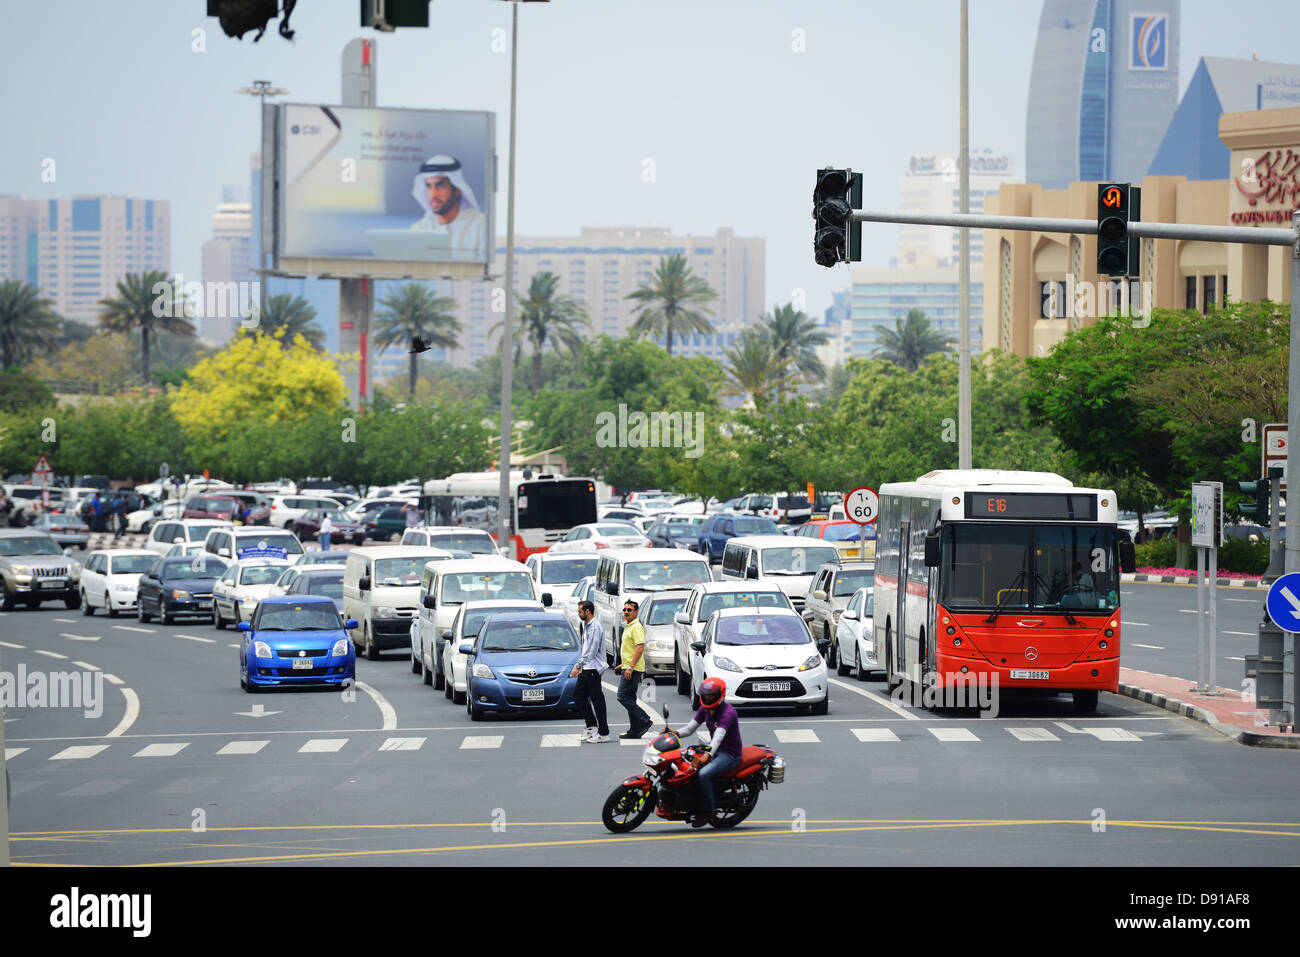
(724, 715)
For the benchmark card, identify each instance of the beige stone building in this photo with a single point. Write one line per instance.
(1039, 286)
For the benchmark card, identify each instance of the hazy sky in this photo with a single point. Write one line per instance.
(715, 92)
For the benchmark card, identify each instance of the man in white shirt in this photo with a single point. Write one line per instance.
(326, 526)
(450, 207)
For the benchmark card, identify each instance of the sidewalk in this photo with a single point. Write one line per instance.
(1226, 712)
(1191, 580)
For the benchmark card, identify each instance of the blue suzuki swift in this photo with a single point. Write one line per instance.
(521, 661)
(296, 640)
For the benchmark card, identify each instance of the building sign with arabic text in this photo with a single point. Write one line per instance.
(1265, 186)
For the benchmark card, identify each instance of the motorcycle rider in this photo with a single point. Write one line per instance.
(723, 724)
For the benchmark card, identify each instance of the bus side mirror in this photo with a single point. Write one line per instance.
(1127, 557)
(932, 550)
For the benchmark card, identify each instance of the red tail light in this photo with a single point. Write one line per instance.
(602, 544)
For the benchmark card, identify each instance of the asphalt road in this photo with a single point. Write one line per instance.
(180, 768)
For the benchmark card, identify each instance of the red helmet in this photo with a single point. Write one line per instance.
(712, 692)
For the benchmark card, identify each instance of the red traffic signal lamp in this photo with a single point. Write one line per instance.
(1118, 252)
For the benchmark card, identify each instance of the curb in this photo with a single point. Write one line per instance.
(1191, 580)
(1197, 713)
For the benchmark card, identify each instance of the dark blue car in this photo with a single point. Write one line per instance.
(296, 640)
(521, 661)
(178, 586)
(717, 530)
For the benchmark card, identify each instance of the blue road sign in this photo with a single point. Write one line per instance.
(1283, 602)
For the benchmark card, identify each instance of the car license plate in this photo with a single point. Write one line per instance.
(534, 694)
(51, 584)
(303, 664)
(205, 604)
(771, 686)
(1030, 675)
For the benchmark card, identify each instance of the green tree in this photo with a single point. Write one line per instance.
(669, 304)
(27, 323)
(754, 368)
(20, 390)
(911, 341)
(292, 314)
(148, 303)
(430, 440)
(414, 310)
(795, 338)
(545, 314)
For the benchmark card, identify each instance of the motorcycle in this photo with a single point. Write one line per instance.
(668, 785)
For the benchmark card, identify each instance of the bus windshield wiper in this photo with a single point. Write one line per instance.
(1047, 590)
(997, 610)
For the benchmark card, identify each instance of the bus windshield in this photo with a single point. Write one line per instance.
(1060, 568)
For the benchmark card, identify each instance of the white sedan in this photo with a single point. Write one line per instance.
(774, 648)
(246, 582)
(465, 628)
(854, 636)
(597, 535)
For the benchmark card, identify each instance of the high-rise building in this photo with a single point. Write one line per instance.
(226, 259)
(881, 296)
(1102, 90)
(931, 185)
(75, 250)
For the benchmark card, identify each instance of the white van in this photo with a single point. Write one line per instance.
(381, 589)
(787, 562)
(445, 586)
(637, 572)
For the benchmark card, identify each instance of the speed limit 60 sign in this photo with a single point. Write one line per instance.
(862, 505)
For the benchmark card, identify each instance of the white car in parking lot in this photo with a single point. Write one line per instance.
(246, 582)
(766, 658)
(854, 638)
(111, 577)
(600, 535)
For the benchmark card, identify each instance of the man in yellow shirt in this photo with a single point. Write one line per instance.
(631, 670)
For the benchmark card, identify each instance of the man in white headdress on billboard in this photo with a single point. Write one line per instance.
(450, 207)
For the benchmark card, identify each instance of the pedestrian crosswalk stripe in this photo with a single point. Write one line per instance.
(403, 744)
(482, 741)
(560, 741)
(11, 753)
(1112, 734)
(86, 665)
(953, 734)
(634, 742)
(161, 750)
(243, 747)
(1032, 734)
(322, 745)
(79, 751)
(796, 736)
(870, 735)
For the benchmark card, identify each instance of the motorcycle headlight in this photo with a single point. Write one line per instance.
(262, 650)
(383, 611)
(483, 671)
(340, 648)
(811, 663)
(180, 594)
(726, 664)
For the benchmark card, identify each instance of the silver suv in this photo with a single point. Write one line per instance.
(34, 569)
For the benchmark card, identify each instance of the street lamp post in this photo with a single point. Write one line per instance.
(263, 89)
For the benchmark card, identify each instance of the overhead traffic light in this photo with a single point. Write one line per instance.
(1118, 251)
(836, 238)
(1258, 509)
(388, 15)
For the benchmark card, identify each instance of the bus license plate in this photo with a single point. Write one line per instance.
(1030, 675)
(771, 686)
(303, 664)
(534, 694)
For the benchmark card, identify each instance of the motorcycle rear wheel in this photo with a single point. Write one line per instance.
(625, 808)
(730, 817)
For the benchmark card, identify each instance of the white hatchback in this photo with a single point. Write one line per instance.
(855, 640)
(111, 577)
(766, 658)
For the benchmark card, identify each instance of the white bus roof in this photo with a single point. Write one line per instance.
(945, 485)
(484, 483)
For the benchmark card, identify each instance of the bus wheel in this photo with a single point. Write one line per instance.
(1085, 702)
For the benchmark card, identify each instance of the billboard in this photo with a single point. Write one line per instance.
(385, 193)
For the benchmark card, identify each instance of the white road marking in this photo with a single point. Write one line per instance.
(655, 716)
(633, 742)
(1112, 734)
(1139, 624)
(65, 621)
(1244, 634)
(206, 641)
(10, 644)
(11, 753)
(323, 745)
(258, 711)
(113, 679)
(560, 741)
(143, 631)
(953, 734)
(796, 736)
(79, 752)
(1189, 611)
(385, 709)
(1065, 727)
(1135, 644)
(51, 654)
(871, 735)
(1253, 601)
(482, 741)
(132, 711)
(876, 697)
(1234, 658)
(243, 747)
(80, 637)
(232, 646)
(169, 750)
(402, 744)
(87, 665)
(1032, 734)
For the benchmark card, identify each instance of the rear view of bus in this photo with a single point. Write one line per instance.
(1002, 576)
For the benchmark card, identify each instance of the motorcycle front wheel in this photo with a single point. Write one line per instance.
(625, 808)
(744, 806)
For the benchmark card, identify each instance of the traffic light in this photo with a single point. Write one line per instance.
(387, 15)
(1258, 509)
(836, 238)
(1118, 252)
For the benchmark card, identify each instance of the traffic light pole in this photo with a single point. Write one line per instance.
(1275, 556)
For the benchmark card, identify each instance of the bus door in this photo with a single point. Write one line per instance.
(900, 630)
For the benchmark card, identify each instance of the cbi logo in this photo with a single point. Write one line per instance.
(1150, 42)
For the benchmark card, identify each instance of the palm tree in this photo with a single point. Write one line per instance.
(27, 323)
(794, 340)
(667, 304)
(149, 302)
(544, 315)
(293, 314)
(912, 342)
(756, 369)
(412, 311)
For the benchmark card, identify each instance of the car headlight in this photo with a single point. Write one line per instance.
(262, 650)
(340, 648)
(180, 594)
(383, 611)
(123, 586)
(726, 664)
(22, 570)
(659, 644)
(812, 663)
(248, 600)
(483, 671)
(74, 570)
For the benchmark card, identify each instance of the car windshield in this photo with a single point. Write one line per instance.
(287, 542)
(474, 544)
(201, 567)
(399, 571)
(329, 587)
(260, 575)
(762, 630)
(848, 532)
(741, 599)
(198, 531)
(130, 564)
(756, 526)
(661, 576)
(568, 570)
(334, 515)
(614, 531)
(318, 616)
(662, 611)
(64, 520)
(322, 558)
(682, 530)
(529, 636)
(34, 545)
(474, 619)
(485, 586)
(850, 580)
(797, 559)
